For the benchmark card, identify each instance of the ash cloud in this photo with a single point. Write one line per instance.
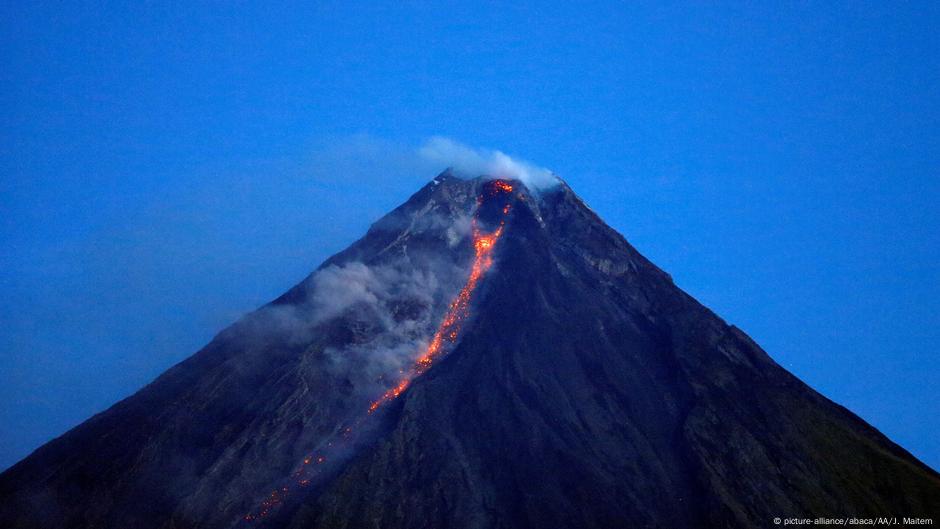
(336, 289)
(389, 308)
(380, 165)
(473, 162)
(394, 305)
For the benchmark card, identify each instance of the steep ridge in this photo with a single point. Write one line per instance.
(592, 392)
(205, 443)
(586, 390)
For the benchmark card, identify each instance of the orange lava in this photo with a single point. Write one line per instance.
(503, 186)
(448, 331)
(459, 308)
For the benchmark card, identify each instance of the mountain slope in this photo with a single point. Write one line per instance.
(586, 390)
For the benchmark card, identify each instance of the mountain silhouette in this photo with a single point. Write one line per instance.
(486, 356)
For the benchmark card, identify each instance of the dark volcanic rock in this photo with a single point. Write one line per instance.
(587, 391)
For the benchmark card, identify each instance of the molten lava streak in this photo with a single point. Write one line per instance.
(459, 308)
(447, 333)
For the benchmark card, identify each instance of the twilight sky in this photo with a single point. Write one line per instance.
(163, 170)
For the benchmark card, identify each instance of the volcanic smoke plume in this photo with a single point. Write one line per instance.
(318, 463)
(490, 354)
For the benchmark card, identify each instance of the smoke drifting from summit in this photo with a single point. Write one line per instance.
(470, 162)
(379, 166)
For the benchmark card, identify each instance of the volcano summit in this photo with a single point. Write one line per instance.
(485, 356)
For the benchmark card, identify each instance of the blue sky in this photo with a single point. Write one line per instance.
(164, 169)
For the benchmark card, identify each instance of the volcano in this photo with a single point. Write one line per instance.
(486, 356)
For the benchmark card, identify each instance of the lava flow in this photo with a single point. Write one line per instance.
(459, 308)
(447, 333)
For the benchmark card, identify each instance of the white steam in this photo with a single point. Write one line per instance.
(336, 289)
(390, 308)
(376, 294)
(474, 162)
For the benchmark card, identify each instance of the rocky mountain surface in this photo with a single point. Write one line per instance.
(577, 387)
